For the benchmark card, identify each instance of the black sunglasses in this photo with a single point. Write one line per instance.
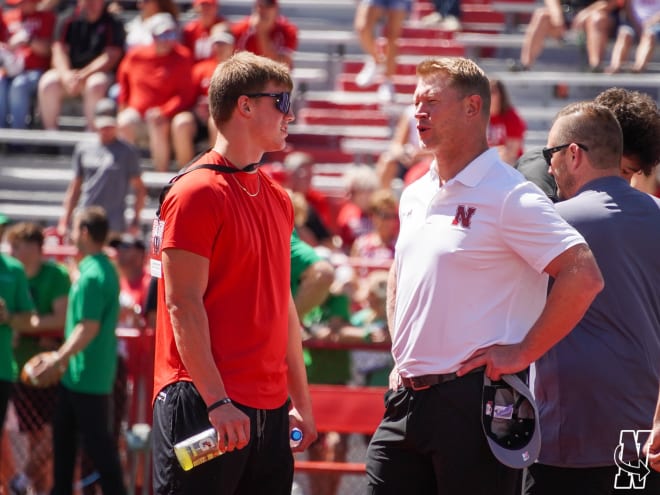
(548, 152)
(282, 100)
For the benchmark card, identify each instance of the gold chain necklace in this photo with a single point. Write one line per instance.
(241, 185)
(252, 195)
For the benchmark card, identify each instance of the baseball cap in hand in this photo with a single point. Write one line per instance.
(509, 417)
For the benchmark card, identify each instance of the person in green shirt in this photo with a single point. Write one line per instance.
(89, 354)
(49, 285)
(16, 308)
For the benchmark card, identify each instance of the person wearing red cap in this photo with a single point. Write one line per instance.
(266, 33)
(29, 36)
(196, 35)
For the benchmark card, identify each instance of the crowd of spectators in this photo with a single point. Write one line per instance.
(51, 54)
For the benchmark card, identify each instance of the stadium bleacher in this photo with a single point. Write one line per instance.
(338, 122)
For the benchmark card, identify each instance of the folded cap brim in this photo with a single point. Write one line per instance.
(512, 429)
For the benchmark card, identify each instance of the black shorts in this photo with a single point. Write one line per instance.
(264, 466)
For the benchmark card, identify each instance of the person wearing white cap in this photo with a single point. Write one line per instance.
(156, 96)
(103, 173)
(222, 46)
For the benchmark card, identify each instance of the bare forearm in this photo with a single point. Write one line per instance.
(20, 322)
(572, 292)
(103, 63)
(193, 341)
(391, 299)
(82, 335)
(297, 375)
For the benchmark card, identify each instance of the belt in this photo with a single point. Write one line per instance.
(427, 381)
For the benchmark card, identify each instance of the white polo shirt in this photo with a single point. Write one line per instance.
(470, 258)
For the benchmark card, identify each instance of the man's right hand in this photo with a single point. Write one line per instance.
(232, 425)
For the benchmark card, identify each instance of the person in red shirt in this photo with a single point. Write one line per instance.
(26, 56)
(353, 219)
(506, 129)
(222, 45)
(196, 32)
(228, 339)
(267, 33)
(156, 96)
(134, 279)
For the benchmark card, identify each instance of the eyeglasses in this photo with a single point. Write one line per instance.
(548, 152)
(282, 100)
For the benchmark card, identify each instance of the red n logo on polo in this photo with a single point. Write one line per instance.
(463, 216)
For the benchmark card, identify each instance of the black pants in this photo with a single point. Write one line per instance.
(264, 466)
(551, 480)
(432, 442)
(88, 417)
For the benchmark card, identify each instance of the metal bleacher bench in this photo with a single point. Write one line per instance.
(512, 10)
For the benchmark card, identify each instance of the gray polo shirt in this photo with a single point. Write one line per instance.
(106, 172)
(603, 377)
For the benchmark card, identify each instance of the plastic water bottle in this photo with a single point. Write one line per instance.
(295, 437)
(197, 449)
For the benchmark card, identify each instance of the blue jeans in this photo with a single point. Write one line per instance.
(16, 94)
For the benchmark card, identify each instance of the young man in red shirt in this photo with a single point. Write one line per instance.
(228, 338)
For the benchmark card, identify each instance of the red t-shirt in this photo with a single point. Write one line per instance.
(39, 24)
(201, 76)
(247, 242)
(284, 35)
(147, 80)
(3, 27)
(195, 37)
(505, 126)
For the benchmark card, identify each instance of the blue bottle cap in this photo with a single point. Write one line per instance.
(296, 435)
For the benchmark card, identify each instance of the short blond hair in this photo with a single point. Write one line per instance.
(242, 73)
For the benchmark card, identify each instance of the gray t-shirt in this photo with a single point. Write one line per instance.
(106, 172)
(603, 377)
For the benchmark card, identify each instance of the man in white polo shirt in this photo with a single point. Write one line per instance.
(467, 293)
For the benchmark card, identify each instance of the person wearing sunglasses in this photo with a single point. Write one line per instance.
(228, 340)
(467, 294)
(601, 380)
(639, 118)
(157, 96)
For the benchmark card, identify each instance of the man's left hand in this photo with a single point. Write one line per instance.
(497, 359)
